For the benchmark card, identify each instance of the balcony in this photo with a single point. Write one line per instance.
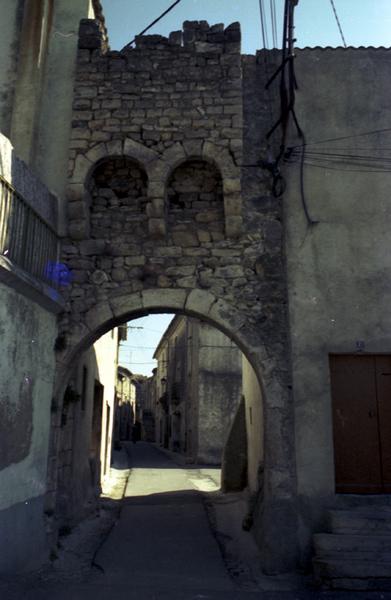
(29, 243)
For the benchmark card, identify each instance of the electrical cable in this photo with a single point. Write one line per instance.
(263, 25)
(338, 22)
(273, 19)
(346, 137)
(152, 24)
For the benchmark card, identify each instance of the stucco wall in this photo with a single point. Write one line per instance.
(219, 391)
(107, 361)
(27, 369)
(340, 268)
(51, 157)
(254, 424)
(38, 43)
(10, 22)
(77, 494)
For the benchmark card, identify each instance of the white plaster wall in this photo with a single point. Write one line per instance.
(9, 23)
(339, 270)
(51, 160)
(27, 334)
(106, 352)
(254, 423)
(39, 81)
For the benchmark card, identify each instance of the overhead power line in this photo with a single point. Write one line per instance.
(345, 137)
(153, 23)
(338, 22)
(265, 37)
(273, 18)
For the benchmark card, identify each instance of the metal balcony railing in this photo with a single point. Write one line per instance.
(26, 239)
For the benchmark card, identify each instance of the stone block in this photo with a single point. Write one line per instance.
(77, 210)
(135, 261)
(156, 227)
(175, 154)
(99, 277)
(139, 151)
(225, 315)
(92, 247)
(200, 302)
(84, 91)
(187, 282)
(170, 299)
(97, 152)
(233, 226)
(168, 251)
(126, 304)
(232, 185)
(230, 271)
(75, 192)
(233, 206)
(112, 103)
(175, 38)
(100, 136)
(164, 281)
(78, 230)
(118, 274)
(98, 316)
(203, 236)
(193, 148)
(115, 147)
(180, 271)
(156, 188)
(81, 170)
(185, 238)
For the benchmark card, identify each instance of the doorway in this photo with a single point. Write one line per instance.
(361, 404)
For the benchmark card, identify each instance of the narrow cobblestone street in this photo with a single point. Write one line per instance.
(163, 545)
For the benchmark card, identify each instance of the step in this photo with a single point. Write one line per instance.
(356, 584)
(337, 568)
(364, 546)
(361, 521)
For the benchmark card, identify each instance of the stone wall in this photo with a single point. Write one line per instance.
(174, 109)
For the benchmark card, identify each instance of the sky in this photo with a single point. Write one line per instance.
(363, 23)
(143, 337)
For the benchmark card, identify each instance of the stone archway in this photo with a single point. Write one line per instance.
(277, 501)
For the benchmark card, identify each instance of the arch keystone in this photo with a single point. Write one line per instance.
(115, 148)
(142, 153)
(168, 298)
(174, 154)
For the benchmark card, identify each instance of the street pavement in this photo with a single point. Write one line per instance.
(163, 546)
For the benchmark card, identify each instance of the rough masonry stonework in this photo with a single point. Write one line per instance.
(168, 211)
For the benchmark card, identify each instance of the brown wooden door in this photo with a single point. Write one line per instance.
(383, 388)
(361, 399)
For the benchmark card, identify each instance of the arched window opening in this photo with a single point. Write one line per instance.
(118, 191)
(196, 202)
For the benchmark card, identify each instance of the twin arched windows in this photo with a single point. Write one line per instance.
(194, 202)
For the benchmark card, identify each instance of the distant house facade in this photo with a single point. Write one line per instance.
(196, 389)
(126, 404)
(87, 428)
